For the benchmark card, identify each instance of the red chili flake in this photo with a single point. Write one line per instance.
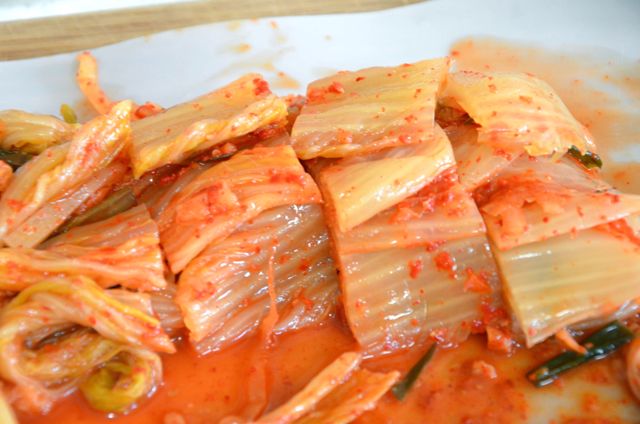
(415, 322)
(492, 88)
(406, 65)
(268, 131)
(284, 259)
(620, 228)
(432, 246)
(305, 265)
(404, 138)
(316, 94)
(417, 93)
(358, 79)
(526, 99)
(279, 176)
(444, 262)
(344, 136)
(415, 268)
(476, 282)
(410, 119)
(92, 320)
(262, 87)
(483, 369)
(545, 219)
(499, 340)
(336, 87)
(146, 110)
(455, 53)
(15, 205)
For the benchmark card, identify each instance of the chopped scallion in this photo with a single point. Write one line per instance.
(401, 388)
(598, 345)
(588, 159)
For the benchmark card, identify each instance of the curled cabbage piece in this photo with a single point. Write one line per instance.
(123, 250)
(243, 106)
(87, 80)
(32, 133)
(219, 200)
(123, 380)
(56, 333)
(338, 394)
(517, 110)
(64, 176)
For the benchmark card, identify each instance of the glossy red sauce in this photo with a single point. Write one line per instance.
(206, 389)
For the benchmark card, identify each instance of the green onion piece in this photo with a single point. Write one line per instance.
(14, 158)
(401, 388)
(116, 203)
(118, 384)
(68, 114)
(598, 345)
(588, 159)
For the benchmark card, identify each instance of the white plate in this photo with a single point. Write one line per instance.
(177, 65)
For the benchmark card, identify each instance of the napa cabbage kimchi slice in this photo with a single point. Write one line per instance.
(368, 110)
(221, 199)
(338, 394)
(517, 110)
(558, 282)
(442, 210)
(49, 188)
(359, 187)
(65, 333)
(534, 199)
(223, 293)
(398, 297)
(175, 134)
(123, 250)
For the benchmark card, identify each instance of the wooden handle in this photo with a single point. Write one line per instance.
(47, 36)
